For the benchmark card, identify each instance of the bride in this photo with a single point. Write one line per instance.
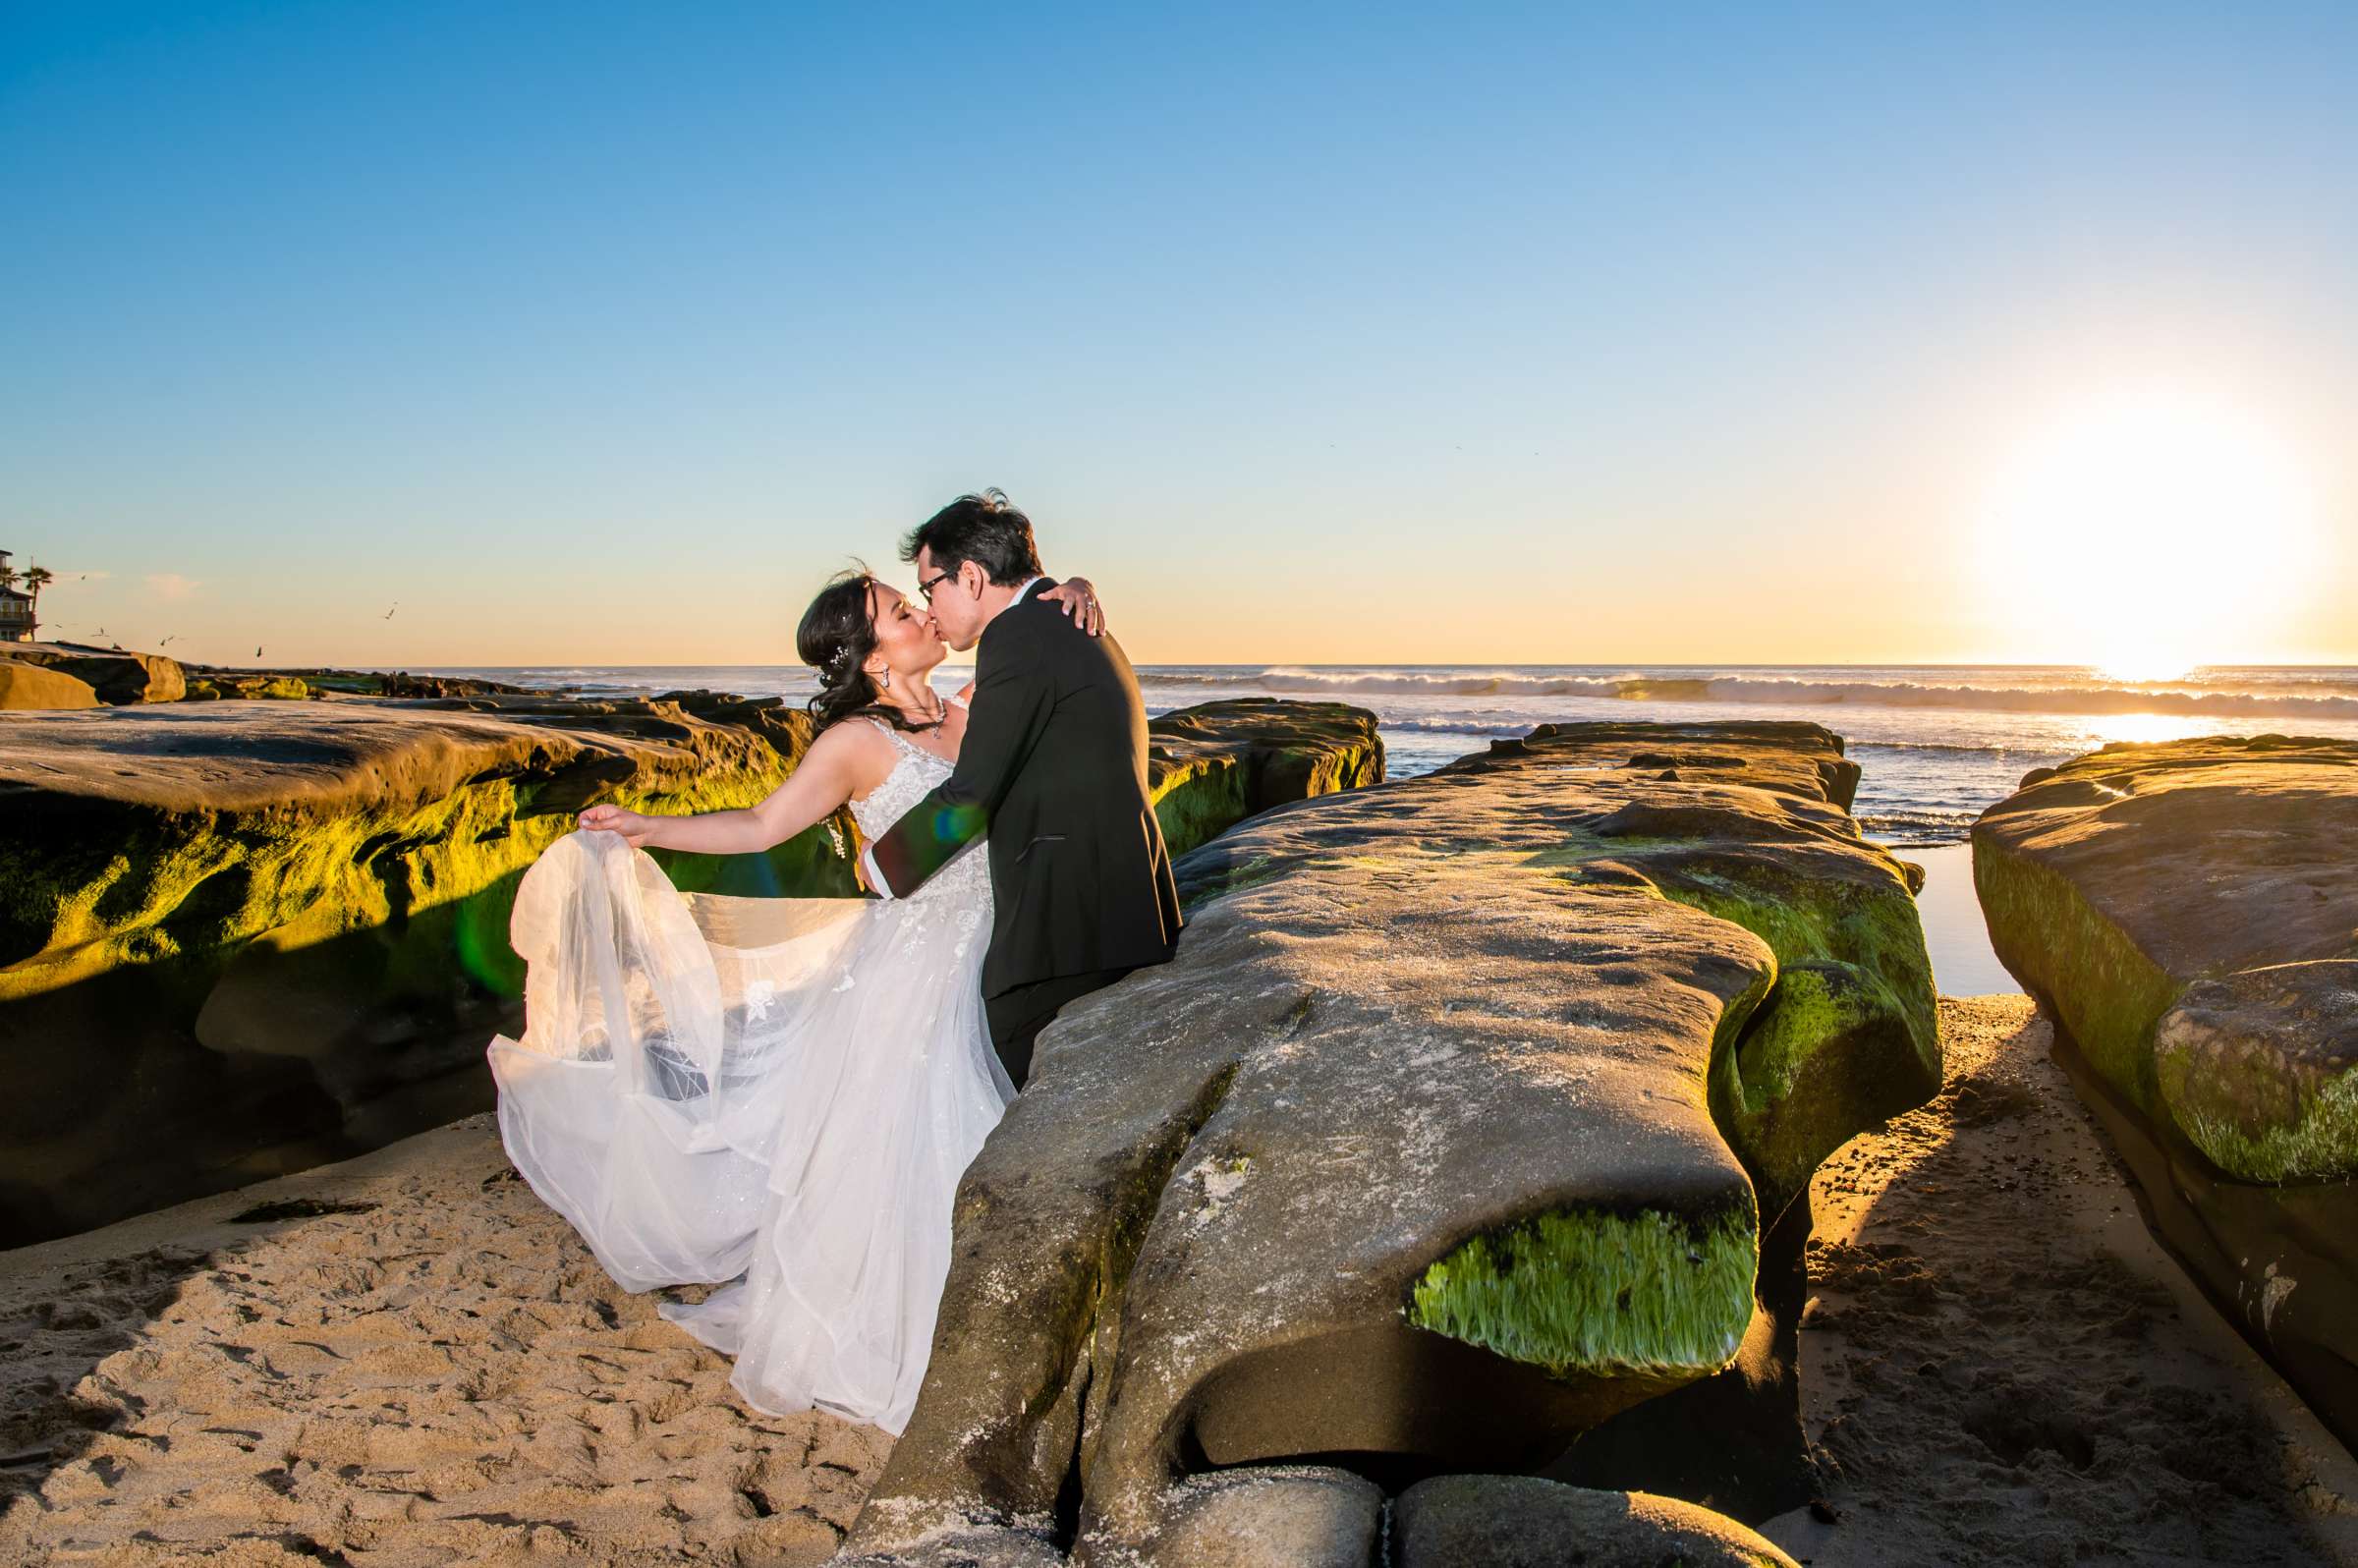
(782, 1090)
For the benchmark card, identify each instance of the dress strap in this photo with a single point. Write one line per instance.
(891, 734)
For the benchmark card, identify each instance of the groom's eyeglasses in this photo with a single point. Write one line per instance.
(929, 584)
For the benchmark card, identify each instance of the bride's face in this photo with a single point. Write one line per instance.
(906, 640)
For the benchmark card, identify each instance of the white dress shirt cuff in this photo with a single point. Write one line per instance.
(875, 878)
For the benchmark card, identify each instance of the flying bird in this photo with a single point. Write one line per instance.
(258, 652)
(396, 606)
(167, 642)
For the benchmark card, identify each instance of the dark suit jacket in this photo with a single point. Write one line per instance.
(1055, 769)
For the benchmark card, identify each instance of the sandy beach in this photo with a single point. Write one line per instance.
(406, 1359)
(419, 1364)
(2000, 1365)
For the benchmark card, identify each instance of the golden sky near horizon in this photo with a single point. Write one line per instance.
(2088, 530)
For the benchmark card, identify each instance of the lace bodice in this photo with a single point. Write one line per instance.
(966, 878)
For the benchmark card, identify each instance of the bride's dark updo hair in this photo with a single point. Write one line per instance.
(836, 636)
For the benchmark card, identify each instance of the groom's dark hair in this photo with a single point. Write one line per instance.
(982, 529)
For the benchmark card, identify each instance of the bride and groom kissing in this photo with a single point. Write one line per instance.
(778, 1097)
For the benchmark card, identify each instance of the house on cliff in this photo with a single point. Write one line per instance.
(17, 624)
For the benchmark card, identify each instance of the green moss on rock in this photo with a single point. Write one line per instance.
(2106, 992)
(246, 688)
(1846, 1033)
(172, 884)
(1212, 765)
(1585, 1291)
(2318, 1141)
(1197, 802)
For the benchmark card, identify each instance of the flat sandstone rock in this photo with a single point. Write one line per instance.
(36, 688)
(116, 676)
(2188, 913)
(1448, 1135)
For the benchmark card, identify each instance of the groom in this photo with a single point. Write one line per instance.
(1054, 766)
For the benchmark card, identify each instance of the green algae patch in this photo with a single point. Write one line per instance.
(1200, 802)
(1215, 765)
(1842, 1033)
(1848, 1035)
(1231, 879)
(186, 885)
(2319, 1142)
(1582, 846)
(2107, 993)
(246, 688)
(1814, 1004)
(1588, 1291)
(1825, 1056)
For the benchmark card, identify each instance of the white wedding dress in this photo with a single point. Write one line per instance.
(785, 1090)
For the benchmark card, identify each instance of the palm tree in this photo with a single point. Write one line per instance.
(36, 580)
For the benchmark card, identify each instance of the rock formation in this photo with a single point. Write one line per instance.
(37, 687)
(213, 686)
(1213, 765)
(114, 676)
(2188, 913)
(239, 937)
(1452, 1131)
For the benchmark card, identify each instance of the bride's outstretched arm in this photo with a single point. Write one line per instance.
(827, 777)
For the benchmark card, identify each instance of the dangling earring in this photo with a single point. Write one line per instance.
(884, 681)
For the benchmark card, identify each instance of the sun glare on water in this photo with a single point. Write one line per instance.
(2146, 534)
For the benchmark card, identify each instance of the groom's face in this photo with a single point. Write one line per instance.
(957, 607)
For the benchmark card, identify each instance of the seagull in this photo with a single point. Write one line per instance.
(258, 652)
(167, 642)
(396, 606)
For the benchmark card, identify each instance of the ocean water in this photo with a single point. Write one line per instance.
(1937, 743)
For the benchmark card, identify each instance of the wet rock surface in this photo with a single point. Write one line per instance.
(1437, 1146)
(2188, 913)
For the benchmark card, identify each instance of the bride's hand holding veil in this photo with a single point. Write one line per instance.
(635, 828)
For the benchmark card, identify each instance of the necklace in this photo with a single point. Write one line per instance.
(928, 721)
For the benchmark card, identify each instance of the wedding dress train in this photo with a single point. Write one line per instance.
(785, 1090)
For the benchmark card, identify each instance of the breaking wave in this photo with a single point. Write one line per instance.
(2336, 700)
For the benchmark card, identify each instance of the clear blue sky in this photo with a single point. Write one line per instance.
(603, 332)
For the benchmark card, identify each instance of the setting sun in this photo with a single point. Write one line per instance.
(2147, 533)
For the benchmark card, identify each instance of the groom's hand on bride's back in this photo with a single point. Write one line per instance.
(615, 819)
